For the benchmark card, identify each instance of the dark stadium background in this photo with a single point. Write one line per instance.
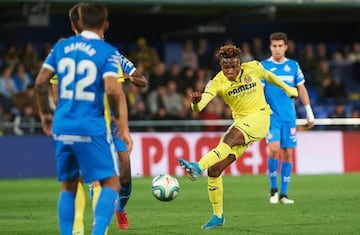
(162, 21)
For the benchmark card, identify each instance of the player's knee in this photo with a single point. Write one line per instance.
(214, 172)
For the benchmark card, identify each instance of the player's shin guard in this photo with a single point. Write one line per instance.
(273, 165)
(286, 168)
(215, 191)
(215, 155)
(66, 207)
(80, 202)
(123, 197)
(104, 210)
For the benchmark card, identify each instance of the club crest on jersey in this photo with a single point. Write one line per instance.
(287, 68)
(247, 79)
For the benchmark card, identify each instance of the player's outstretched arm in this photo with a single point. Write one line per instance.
(273, 79)
(200, 100)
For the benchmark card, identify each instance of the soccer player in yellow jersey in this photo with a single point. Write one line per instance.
(239, 85)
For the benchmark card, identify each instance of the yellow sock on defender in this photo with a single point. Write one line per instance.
(215, 155)
(96, 190)
(80, 202)
(215, 191)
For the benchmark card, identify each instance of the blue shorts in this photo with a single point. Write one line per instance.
(92, 157)
(283, 132)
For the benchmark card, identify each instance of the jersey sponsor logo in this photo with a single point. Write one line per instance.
(242, 88)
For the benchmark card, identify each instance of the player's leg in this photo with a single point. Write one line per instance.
(104, 169)
(67, 170)
(80, 202)
(273, 141)
(231, 138)
(215, 187)
(288, 144)
(215, 192)
(242, 132)
(66, 205)
(125, 190)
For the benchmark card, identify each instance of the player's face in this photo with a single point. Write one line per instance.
(278, 49)
(230, 67)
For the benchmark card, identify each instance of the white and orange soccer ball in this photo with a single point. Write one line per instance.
(165, 187)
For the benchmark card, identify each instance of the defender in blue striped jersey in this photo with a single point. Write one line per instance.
(87, 70)
(281, 138)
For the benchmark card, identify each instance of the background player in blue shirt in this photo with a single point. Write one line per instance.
(87, 70)
(281, 138)
(127, 72)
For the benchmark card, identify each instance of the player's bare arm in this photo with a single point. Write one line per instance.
(137, 79)
(42, 99)
(118, 105)
(304, 97)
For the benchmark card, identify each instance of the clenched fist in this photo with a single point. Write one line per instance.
(195, 97)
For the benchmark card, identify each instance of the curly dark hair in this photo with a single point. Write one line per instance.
(228, 51)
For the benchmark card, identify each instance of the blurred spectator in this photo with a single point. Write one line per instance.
(29, 57)
(322, 52)
(204, 54)
(158, 76)
(188, 55)
(146, 55)
(355, 113)
(308, 62)
(339, 111)
(187, 76)
(257, 49)
(173, 101)
(246, 52)
(291, 52)
(8, 88)
(22, 78)
(11, 56)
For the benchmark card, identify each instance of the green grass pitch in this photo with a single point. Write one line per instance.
(324, 204)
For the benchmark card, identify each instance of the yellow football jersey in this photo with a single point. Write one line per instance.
(245, 95)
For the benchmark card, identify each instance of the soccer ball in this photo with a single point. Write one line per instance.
(165, 187)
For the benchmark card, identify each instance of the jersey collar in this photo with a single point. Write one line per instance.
(89, 34)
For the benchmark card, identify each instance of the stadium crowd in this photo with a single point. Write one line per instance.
(332, 74)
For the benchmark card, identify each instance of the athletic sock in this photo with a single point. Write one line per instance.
(104, 210)
(80, 203)
(123, 197)
(215, 155)
(96, 193)
(215, 191)
(286, 168)
(273, 165)
(66, 208)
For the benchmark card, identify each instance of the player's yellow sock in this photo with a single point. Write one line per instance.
(80, 203)
(96, 191)
(215, 191)
(215, 155)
